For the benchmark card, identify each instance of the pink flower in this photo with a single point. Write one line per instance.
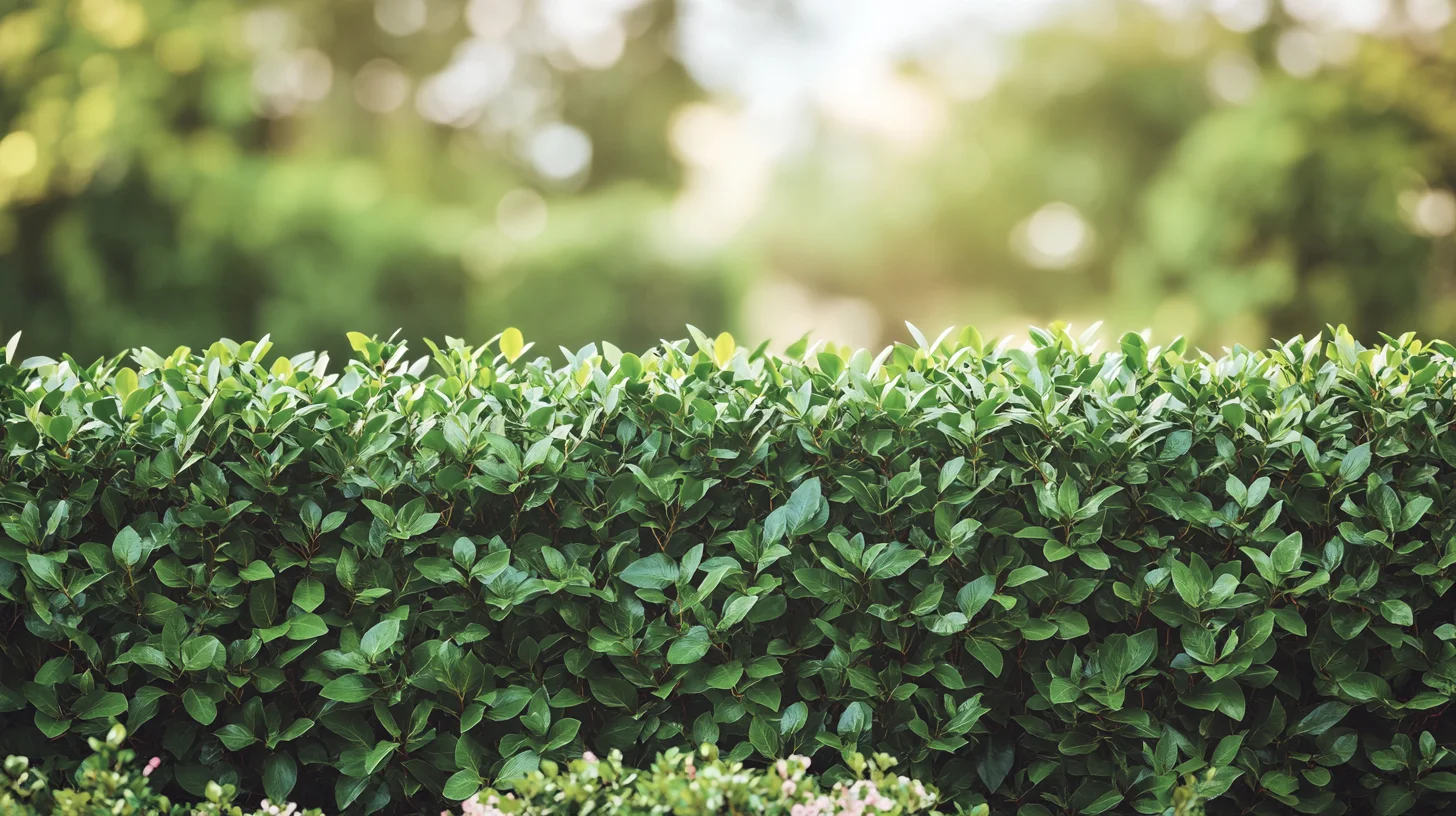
(789, 787)
(152, 764)
(589, 756)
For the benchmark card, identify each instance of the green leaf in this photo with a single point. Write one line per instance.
(735, 610)
(380, 638)
(1443, 781)
(613, 692)
(378, 755)
(656, 571)
(518, 766)
(305, 627)
(562, 732)
(1285, 555)
(793, 718)
(280, 773)
(351, 688)
(1353, 465)
(690, 648)
(462, 785)
(256, 571)
(1321, 719)
(725, 676)
(973, 596)
(512, 344)
(1227, 750)
(803, 506)
(1393, 800)
(1397, 612)
(463, 551)
(1187, 585)
(855, 719)
(200, 706)
(299, 727)
(201, 653)
(764, 738)
(988, 655)
(1290, 621)
(949, 472)
(1024, 575)
(235, 737)
(723, 348)
(99, 705)
(126, 548)
(308, 595)
(45, 569)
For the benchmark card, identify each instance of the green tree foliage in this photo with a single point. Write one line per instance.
(1229, 220)
(149, 192)
(1299, 204)
(1051, 581)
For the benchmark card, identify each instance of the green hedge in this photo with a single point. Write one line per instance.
(1048, 579)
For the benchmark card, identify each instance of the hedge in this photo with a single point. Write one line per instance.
(110, 783)
(1048, 579)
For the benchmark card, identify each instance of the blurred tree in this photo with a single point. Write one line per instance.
(170, 171)
(1155, 173)
(1318, 200)
(1016, 211)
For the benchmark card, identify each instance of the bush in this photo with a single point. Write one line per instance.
(1050, 580)
(109, 785)
(677, 784)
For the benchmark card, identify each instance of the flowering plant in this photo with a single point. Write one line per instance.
(106, 784)
(684, 783)
(678, 783)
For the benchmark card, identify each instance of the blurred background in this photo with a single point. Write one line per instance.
(1232, 170)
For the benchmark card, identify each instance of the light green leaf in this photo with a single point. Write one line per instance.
(1025, 575)
(690, 648)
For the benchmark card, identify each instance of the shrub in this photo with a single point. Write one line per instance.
(677, 784)
(1047, 579)
(109, 785)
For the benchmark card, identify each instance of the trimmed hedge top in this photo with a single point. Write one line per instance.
(1049, 579)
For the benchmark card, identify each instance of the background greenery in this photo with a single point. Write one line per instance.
(171, 171)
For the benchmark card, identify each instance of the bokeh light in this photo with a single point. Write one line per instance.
(590, 169)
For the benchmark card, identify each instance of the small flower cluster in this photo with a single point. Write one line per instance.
(475, 806)
(274, 810)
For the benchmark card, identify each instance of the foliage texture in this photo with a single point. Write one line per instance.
(1051, 580)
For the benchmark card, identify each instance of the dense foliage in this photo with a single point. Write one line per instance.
(108, 783)
(1047, 579)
